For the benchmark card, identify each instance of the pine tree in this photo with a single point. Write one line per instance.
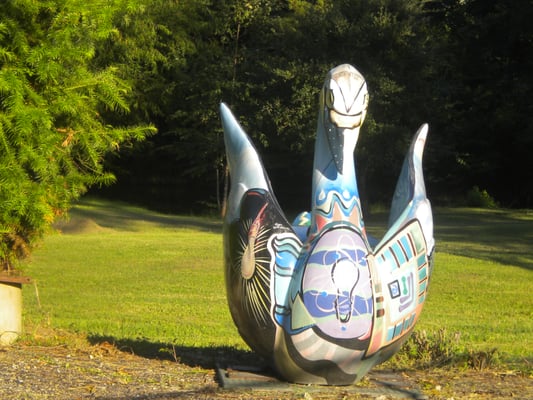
(53, 135)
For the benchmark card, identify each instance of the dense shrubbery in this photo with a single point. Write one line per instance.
(480, 198)
(52, 134)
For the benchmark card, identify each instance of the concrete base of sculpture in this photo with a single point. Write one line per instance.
(379, 384)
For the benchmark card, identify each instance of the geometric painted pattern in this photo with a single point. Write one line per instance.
(403, 268)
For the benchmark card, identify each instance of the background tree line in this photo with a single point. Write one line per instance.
(84, 85)
(461, 65)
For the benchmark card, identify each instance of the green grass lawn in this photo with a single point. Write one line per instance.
(128, 274)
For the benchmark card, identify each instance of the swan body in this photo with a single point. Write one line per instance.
(318, 298)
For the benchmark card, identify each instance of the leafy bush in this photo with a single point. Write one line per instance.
(440, 348)
(480, 360)
(480, 198)
(435, 348)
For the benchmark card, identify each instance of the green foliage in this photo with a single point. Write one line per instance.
(52, 133)
(174, 56)
(430, 349)
(480, 360)
(484, 122)
(461, 66)
(439, 349)
(268, 59)
(480, 198)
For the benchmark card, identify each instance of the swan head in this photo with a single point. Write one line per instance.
(343, 105)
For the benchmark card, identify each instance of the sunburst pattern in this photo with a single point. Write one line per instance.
(255, 291)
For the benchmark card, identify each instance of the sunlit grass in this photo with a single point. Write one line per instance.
(130, 274)
(150, 278)
(488, 303)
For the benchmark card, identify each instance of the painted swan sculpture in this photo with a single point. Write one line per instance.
(317, 298)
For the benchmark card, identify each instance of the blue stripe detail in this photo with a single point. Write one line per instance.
(399, 253)
(406, 246)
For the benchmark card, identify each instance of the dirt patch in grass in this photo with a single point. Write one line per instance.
(78, 225)
(103, 371)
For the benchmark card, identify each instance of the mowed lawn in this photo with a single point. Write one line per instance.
(128, 273)
(125, 273)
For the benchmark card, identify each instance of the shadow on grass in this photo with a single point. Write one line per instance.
(122, 216)
(502, 236)
(494, 235)
(204, 357)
